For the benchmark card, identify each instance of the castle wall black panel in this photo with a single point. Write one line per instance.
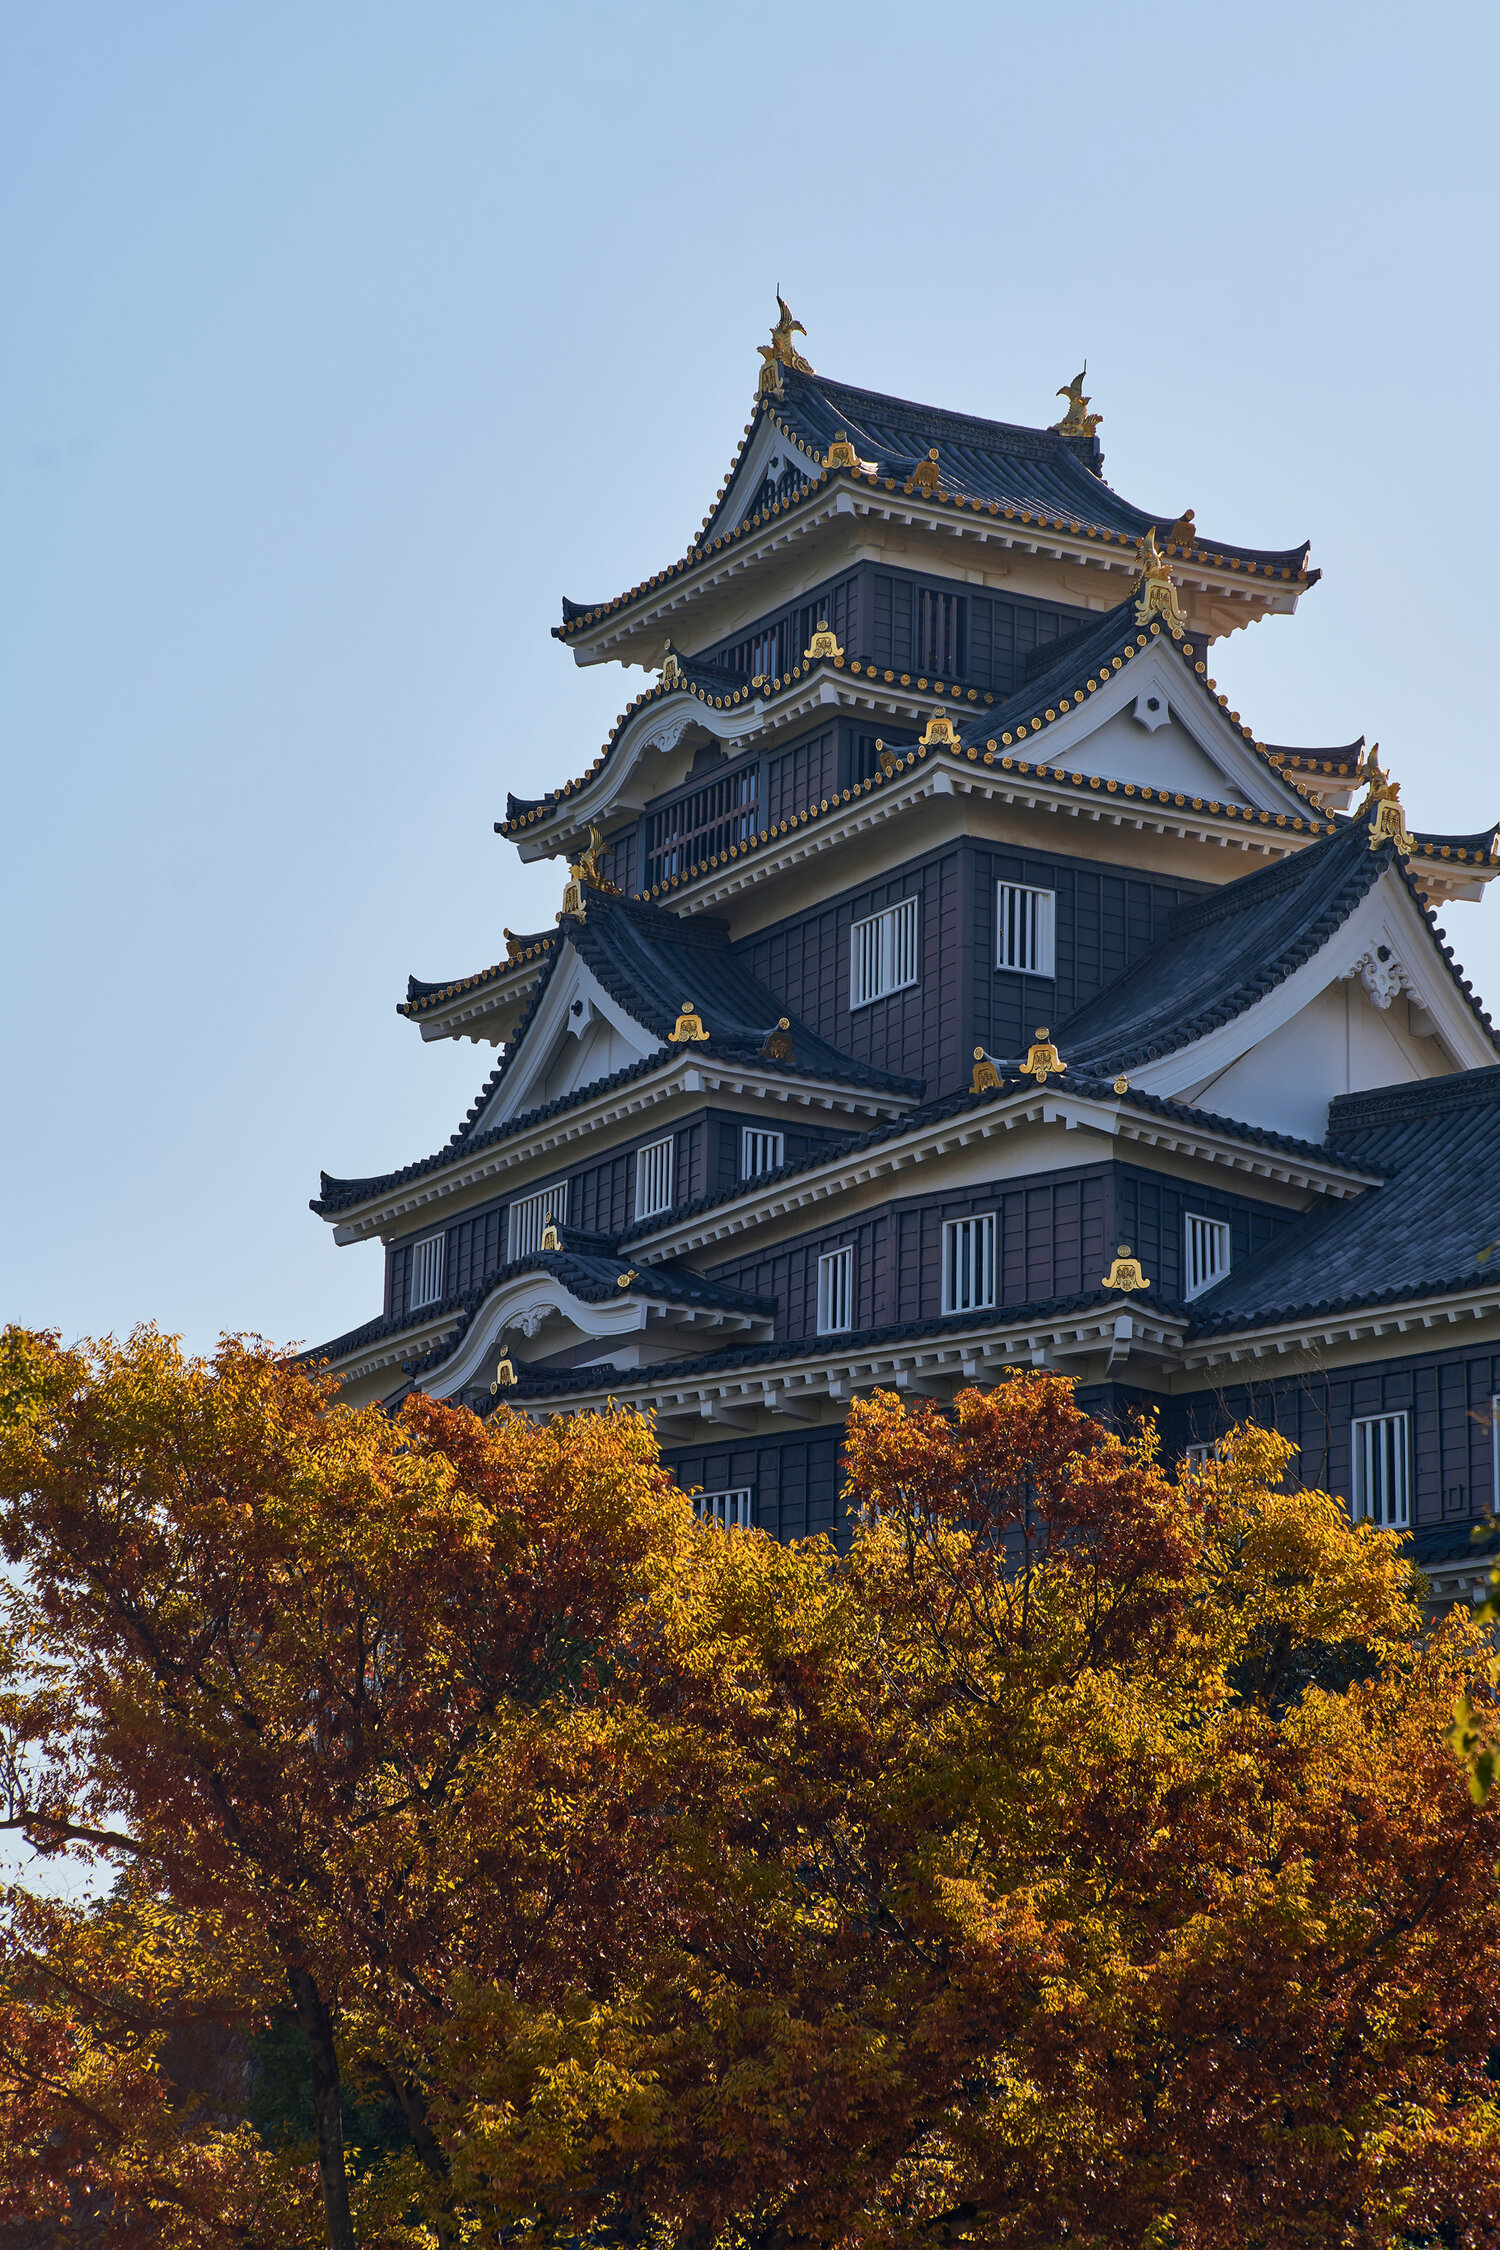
(475, 1248)
(801, 777)
(623, 858)
(790, 1275)
(917, 1031)
(599, 1196)
(1055, 1236)
(795, 1481)
(1151, 1213)
(1105, 919)
(1447, 1396)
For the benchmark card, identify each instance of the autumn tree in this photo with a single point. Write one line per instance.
(1079, 1857)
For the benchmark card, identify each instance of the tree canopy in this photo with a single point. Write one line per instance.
(491, 1851)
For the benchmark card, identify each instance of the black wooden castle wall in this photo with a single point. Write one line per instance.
(916, 622)
(1448, 1395)
(1055, 1236)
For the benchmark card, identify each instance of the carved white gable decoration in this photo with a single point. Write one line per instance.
(1385, 977)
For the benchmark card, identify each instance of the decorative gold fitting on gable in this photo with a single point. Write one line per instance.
(926, 476)
(1383, 803)
(985, 1074)
(1077, 422)
(588, 866)
(780, 352)
(1122, 1084)
(623, 1280)
(939, 733)
(549, 1239)
(505, 1376)
(1043, 1060)
(1126, 1272)
(689, 1026)
(1184, 532)
(1157, 594)
(885, 759)
(841, 454)
(823, 643)
(573, 895)
(671, 670)
(777, 1046)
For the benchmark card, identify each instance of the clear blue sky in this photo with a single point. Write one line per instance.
(341, 340)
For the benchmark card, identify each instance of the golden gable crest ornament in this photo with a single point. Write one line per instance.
(1157, 596)
(1126, 1272)
(1043, 1060)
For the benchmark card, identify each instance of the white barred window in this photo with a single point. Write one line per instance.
(426, 1271)
(1199, 1456)
(1382, 1471)
(729, 1510)
(1207, 1253)
(969, 1264)
(760, 1152)
(653, 1179)
(529, 1217)
(1026, 920)
(883, 953)
(835, 1292)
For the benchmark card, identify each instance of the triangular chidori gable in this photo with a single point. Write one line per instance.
(1279, 993)
(1175, 733)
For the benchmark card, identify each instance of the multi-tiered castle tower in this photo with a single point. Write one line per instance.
(947, 981)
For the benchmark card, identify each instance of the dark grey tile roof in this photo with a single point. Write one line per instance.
(1035, 474)
(1224, 952)
(1036, 470)
(652, 962)
(1432, 1230)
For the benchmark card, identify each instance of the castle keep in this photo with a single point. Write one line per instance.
(946, 981)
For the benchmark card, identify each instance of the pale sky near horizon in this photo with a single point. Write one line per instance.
(342, 340)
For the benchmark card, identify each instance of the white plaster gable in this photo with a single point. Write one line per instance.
(1185, 744)
(532, 1315)
(768, 453)
(1347, 1020)
(578, 1035)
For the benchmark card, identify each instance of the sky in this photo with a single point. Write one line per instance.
(341, 340)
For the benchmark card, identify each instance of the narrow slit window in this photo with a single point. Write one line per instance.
(1027, 924)
(969, 1264)
(529, 1216)
(653, 1179)
(883, 953)
(1207, 1253)
(426, 1271)
(760, 1152)
(835, 1292)
(731, 1511)
(1382, 1470)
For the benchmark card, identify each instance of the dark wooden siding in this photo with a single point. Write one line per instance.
(473, 1247)
(918, 1032)
(995, 636)
(724, 1145)
(795, 1481)
(1446, 1394)
(776, 642)
(623, 858)
(1151, 1212)
(1107, 917)
(802, 776)
(1055, 1236)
